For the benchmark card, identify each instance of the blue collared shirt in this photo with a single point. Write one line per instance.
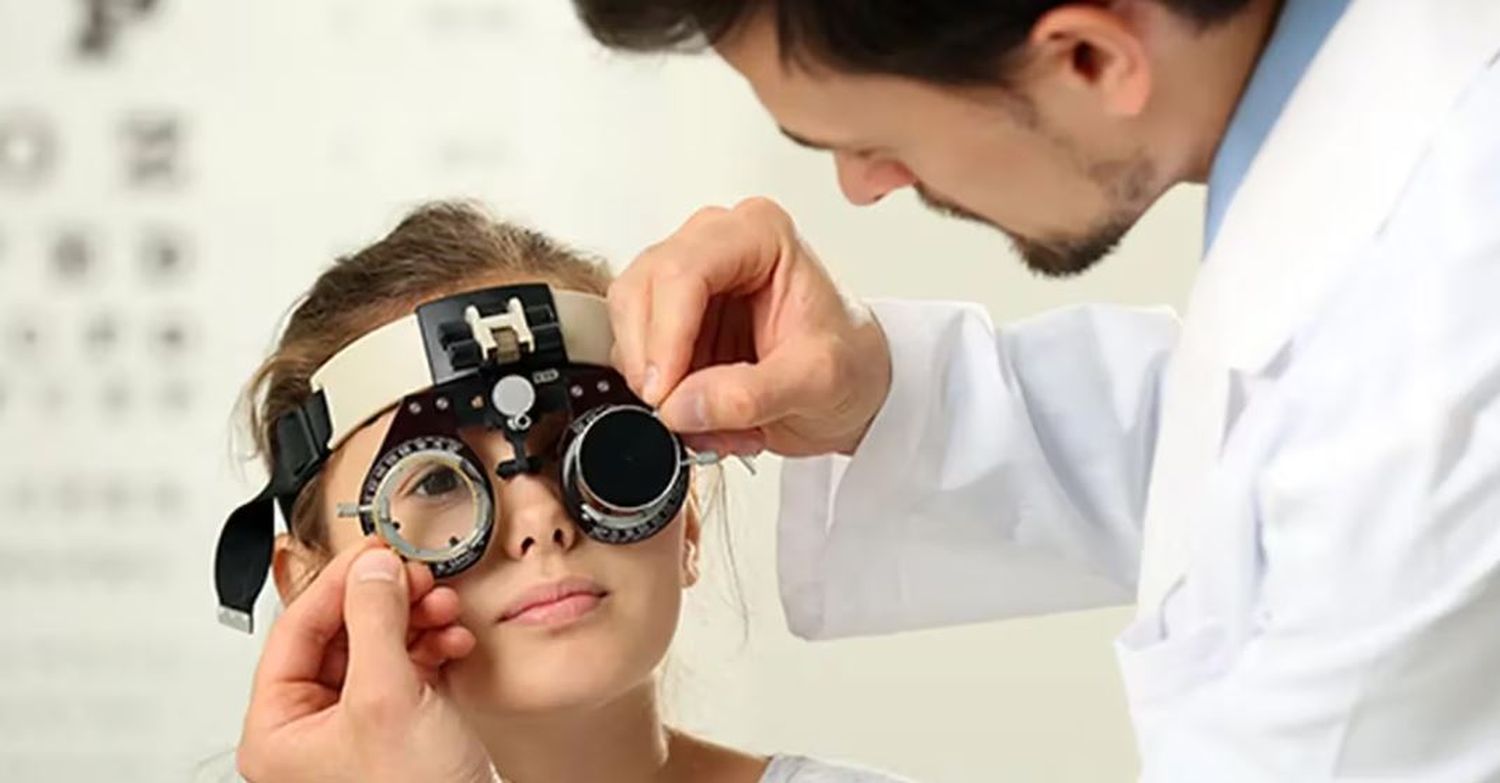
(1300, 32)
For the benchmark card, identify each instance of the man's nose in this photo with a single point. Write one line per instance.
(866, 181)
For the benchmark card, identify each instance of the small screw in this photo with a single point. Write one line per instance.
(603, 386)
(442, 403)
(477, 402)
(415, 407)
(576, 391)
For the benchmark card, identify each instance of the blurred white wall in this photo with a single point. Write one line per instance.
(172, 173)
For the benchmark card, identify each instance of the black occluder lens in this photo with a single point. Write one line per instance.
(627, 458)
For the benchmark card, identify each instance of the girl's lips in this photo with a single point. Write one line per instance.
(555, 603)
(559, 612)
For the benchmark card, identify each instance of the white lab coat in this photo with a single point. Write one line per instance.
(1300, 484)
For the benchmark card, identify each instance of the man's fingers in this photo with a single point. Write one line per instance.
(658, 304)
(703, 441)
(435, 648)
(335, 663)
(296, 644)
(436, 609)
(377, 608)
(419, 581)
(678, 302)
(435, 612)
(745, 245)
(630, 316)
(745, 395)
(732, 252)
(723, 397)
(744, 443)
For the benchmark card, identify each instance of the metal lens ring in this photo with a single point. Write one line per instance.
(429, 500)
(623, 474)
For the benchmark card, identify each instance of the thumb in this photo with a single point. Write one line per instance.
(377, 612)
(745, 395)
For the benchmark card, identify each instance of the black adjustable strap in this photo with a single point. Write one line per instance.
(243, 559)
(243, 556)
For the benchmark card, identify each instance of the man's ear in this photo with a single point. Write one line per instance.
(1094, 49)
(293, 567)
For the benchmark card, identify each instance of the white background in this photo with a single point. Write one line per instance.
(303, 128)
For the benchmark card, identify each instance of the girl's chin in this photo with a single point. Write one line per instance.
(533, 684)
(533, 700)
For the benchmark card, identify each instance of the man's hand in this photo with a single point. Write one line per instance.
(734, 330)
(346, 687)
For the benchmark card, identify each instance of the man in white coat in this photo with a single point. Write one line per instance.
(1298, 483)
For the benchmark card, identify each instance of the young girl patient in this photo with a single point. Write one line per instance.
(568, 633)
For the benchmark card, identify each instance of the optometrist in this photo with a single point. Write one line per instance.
(1297, 482)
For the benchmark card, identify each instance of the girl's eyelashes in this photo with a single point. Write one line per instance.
(436, 483)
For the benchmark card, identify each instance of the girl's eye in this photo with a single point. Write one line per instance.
(437, 483)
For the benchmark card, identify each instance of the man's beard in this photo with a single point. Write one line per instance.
(1127, 184)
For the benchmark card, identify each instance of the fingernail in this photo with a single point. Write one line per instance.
(698, 405)
(749, 444)
(376, 565)
(649, 381)
(699, 442)
(686, 412)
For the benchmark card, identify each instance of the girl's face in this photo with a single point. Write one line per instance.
(561, 620)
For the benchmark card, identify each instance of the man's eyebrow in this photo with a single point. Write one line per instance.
(803, 142)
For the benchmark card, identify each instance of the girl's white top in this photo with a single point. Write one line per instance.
(799, 769)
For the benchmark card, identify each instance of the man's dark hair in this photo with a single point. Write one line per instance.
(958, 42)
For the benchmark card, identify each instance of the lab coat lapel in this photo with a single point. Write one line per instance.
(1319, 189)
